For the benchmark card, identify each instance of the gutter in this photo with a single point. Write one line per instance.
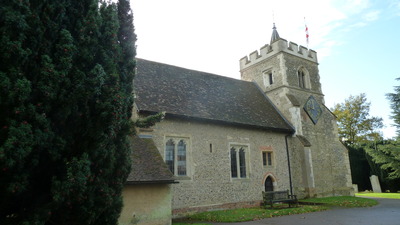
(152, 182)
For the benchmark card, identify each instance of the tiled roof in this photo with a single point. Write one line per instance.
(189, 93)
(147, 163)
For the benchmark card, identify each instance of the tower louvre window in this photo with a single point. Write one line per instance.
(301, 77)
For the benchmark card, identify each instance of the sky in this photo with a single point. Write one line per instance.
(357, 41)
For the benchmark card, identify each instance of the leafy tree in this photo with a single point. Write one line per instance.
(65, 97)
(354, 122)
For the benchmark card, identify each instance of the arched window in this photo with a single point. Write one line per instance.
(303, 78)
(181, 158)
(233, 163)
(176, 156)
(170, 155)
(242, 162)
(238, 161)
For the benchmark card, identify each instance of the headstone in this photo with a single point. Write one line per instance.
(355, 187)
(376, 187)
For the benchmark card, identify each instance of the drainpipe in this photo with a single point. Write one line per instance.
(288, 161)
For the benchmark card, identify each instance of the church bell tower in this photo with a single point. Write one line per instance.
(288, 75)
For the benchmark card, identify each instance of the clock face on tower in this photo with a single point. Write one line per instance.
(313, 109)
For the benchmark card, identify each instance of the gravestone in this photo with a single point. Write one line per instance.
(355, 187)
(376, 187)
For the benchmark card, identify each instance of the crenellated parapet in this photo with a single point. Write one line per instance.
(280, 45)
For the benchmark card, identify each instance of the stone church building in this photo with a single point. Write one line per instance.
(227, 140)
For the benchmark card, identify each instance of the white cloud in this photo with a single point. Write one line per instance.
(226, 30)
(372, 16)
(356, 25)
(354, 6)
(395, 5)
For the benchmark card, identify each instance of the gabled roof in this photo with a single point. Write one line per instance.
(189, 93)
(147, 163)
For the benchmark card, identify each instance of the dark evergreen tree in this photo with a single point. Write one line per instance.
(360, 167)
(66, 77)
(387, 153)
(394, 99)
(364, 163)
(384, 159)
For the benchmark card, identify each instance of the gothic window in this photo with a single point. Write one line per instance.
(233, 163)
(238, 162)
(176, 156)
(267, 158)
(303, 78)
(242, 162)
(181, 158)
(170, 155)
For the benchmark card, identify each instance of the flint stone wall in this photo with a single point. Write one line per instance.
(209, 181)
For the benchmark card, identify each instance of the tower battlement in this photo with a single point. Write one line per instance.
(280, 45)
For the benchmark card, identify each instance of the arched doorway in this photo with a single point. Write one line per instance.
(269, 184)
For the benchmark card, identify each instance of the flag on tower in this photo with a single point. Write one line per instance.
(306, 31)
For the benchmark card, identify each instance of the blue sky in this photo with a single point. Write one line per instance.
(357, 41)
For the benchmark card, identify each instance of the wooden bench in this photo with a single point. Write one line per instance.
(271, 197)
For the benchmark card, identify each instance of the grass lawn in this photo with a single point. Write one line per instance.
(191, 223)
(379, 195)
(249, 214)
(343, 201)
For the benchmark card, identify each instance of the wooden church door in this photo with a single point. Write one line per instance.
(269, 186)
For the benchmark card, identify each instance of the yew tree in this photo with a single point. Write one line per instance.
(394, 99)
(387, 155)
(66, 76)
